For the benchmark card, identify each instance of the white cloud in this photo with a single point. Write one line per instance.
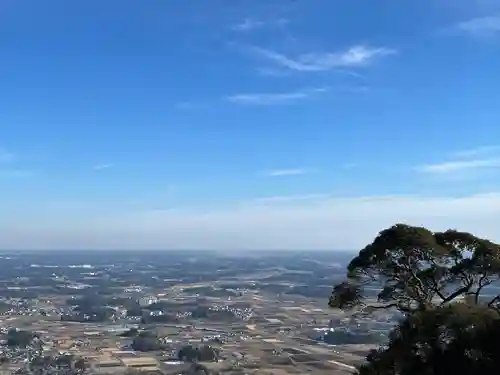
(251, 24)
(354, 56)
(481, 26)
(292, 198)
(478, 151)
(275, 98)
(248, 25)
(475, 159)
(100, 167)
(460, 165)
(309, 223)
(287, 172)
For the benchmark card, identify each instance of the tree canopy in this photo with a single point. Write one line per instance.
(455, 339)
(204, 353)
(19, 338)
(60, 364)
(146, 341)
(437, 281)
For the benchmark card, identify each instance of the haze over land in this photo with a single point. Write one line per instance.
(335, 223)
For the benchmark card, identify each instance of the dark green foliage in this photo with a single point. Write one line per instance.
(188, 353)
(84, 314)
(207, 354)
(135, 311)
(132, 332)
(436, 280)
(87, 300)
(346, 338)
(204, 353)
(205, 312)
(164, 318)
(147, 341)
(4, 306)
(418, 269)
(18, 338)
(89, 308)
(200, 312)
(80, 364)
(59, 364)
(456, 339)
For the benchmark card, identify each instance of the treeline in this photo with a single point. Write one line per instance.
(19, 338)
(146, 341)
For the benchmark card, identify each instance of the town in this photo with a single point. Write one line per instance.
(175, 313)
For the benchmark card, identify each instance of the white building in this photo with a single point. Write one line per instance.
(147, 300)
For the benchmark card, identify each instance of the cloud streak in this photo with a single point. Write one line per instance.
(249, 24)
(460, 165)
(481, 26)
(275, 98)
(478, 151)
(287, 172)
(292, 198)
(469, 160)
(100, 167)
(355, 56)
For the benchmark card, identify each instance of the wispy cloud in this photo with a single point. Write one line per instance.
(283, 72)
(287, 172)
(275, 98)
(100, 167)
(291, 198)
(478, 151)
(460, 165)
(481, 26)
(6, 156)
(466, 163)
(355, 56)
(249, 24)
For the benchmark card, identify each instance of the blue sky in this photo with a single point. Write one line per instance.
(239, 124)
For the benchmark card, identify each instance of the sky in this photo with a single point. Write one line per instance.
(246, 124)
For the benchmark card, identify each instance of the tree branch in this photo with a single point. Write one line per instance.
(396, 305)
(495, 299)
(458, 292)
(382, 307)
(481, 286)
(436, 288)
